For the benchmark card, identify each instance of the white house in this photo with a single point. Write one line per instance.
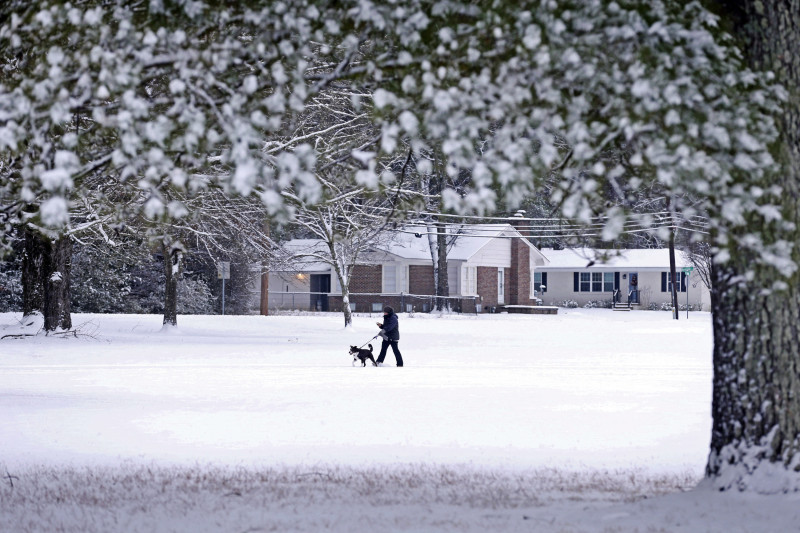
(641, 276)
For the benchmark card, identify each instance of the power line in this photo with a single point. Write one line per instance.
(664, 214)
(530, 235)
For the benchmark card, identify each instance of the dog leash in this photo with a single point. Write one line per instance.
(369, 341)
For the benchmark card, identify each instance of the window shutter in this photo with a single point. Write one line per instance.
(663, 282)
(575, 282)
(616, 281)
(544, 281)
(683, 281)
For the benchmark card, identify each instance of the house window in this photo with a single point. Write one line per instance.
(389, 279)
(666, 282)
(353, 307)
(501, 286)
(608, 282)
(539, 279)
(377, 308)
(593, 282)
(470, 285)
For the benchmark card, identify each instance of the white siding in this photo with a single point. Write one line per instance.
(497, 253)
(288, 282)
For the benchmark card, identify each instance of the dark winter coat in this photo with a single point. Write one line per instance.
(391, 327)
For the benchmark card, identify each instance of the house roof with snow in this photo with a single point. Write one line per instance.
(411, 242)
(636, 259)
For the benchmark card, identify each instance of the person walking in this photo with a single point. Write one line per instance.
(390, 333)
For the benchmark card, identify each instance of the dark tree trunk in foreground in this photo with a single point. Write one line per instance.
(33, 273)
(673, 275)
(46, 272)
(57, 296)
(755, 443)
(173, 264)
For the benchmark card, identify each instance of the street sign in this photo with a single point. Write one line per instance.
(686, 270)
(224, 270)
(223, 273)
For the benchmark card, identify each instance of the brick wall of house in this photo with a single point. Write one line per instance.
(519, 281)
(487, 285)
(367, 278)
(507, 292)
(420, 279)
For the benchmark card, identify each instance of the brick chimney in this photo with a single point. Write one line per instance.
(520, 278)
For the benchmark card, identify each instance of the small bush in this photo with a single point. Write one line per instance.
(598, 304)
(569, 304)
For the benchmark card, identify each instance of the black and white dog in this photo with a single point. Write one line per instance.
(360, 354)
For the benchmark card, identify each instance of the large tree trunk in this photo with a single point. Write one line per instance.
(57, 296)
(173, 263)
(673, 274)
(442, 284)
(264, 300)
(348, 313)
(755, 441)
(343, 274)
(33, 273)
(46, 272)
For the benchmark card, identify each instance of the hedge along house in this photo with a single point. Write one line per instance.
(489, 265)
(639, 276)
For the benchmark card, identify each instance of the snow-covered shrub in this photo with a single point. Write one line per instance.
(194, 297)
(569, 304)
(598, 304)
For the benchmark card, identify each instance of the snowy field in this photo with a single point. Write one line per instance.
(586, 421)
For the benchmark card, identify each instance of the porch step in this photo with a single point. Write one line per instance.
(619, 306)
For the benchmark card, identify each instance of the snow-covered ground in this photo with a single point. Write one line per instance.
(497, 422)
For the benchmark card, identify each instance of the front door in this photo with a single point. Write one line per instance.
(501, 286)
(320, 288)
(633, 287)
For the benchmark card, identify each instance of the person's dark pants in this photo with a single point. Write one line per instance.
(397, 356)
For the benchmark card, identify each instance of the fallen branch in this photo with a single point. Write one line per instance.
(18, 335)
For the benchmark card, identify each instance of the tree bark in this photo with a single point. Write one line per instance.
(173, 264)
(46, 275)
(755, 442)
(442, 284)
(673, 275)
(264, 300)
(343, 273)
(33, 273)
(57, 270)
